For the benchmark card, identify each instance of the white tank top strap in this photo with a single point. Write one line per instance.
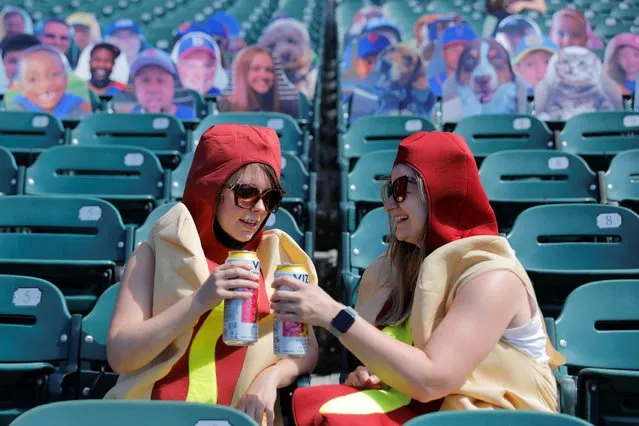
(529, 338)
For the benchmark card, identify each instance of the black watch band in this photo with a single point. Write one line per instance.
(343, 321)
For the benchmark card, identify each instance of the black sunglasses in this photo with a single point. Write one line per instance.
(397, 188)
(247, 196)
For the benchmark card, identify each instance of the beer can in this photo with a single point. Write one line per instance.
(290, 339)
(240, 315)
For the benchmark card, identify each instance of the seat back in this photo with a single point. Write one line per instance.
(158, 133)
(599, 325)
(283, 220)
(109, 172)
(574, 238)
(95, 327)
(496, 418)
(8, 173)
(373, 133)
(34, 321)
(298, 183)
(622, 178)
(289, 133)
(133, 413)
(366, 178)
(60, 228)
(179, 175)
(538, 177)
(370, 240)
(29, 131)
(602, 134)
(486, 134)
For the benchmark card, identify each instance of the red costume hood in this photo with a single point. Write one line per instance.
(457, 204)
(222, 150)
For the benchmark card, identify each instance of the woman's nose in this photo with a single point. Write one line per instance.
(260, 206)
(389, 204)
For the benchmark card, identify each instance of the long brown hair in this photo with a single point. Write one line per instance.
(243, 97)
(406, 260)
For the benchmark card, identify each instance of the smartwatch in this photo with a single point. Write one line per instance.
(343, 321)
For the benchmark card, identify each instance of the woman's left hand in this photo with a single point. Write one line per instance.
(259, 400)
(304, 303)
(516, 7)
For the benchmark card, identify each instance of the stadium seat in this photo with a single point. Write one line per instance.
(129, 177)
(26, 134)
(361, 187)
(133, 413)
(516, 180)
(495, 418)
(38, 349)
(599, 136)
(10, 174)
(374, 133)
(361, 248)
(598, 333)
(622, 180)
(76, 243)
(563, 246)
(292, 139)
(164, 135)
(96, 377)
(486, 134)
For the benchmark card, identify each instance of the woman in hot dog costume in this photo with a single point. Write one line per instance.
(165, 338)
(446, 319)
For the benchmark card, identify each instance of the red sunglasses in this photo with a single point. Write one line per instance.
(247, 196)
(397, 188)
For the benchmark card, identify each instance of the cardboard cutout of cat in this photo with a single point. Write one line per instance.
(575, 83)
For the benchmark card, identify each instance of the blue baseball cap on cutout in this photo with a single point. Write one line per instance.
(216, 28)
(194, 43)
(155, 57)
(531, 44)
(231, 23)
(122, 24)
(461, 33)
(371, 44)
(188, 27)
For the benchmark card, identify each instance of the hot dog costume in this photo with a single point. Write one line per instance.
(198, 366)
(462, 243)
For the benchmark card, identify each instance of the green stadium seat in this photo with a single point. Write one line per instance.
(76, 243)
(598, 333)
(486, 134)
(292, 139)
(516, 180)
(129, 177)
(96, 377)
(370, 134)
(26, 134)
(495, 418)
(133, 413)
(361, 248)
(38, 351)
(361, 187)
(10, 174)
(599, 136)
(622, 179)
(164, 135)
(563, 246)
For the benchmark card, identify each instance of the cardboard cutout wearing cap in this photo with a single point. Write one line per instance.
(193, 41)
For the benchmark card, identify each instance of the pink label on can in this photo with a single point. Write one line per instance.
(249, 308)
(293, 329)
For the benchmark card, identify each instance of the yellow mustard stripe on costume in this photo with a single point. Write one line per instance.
(373, 401)
(202, 373)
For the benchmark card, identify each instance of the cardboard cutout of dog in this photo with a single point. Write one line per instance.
(289, 41)
(484, 83)
(398, 86)
(575, 83)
